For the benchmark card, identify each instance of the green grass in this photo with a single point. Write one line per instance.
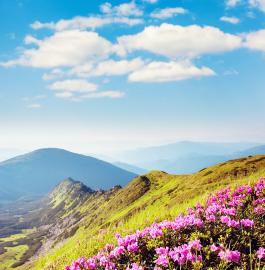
(142, 203)
(17, 236)
(12, 255)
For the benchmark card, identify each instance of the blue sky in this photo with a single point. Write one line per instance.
(95, 76)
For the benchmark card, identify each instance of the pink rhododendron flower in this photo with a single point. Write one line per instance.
(261, 253)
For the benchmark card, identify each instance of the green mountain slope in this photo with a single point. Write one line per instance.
(152, 197)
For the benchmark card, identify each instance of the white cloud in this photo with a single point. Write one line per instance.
(34, 106)
(232, 3)
(64, 94)
(84, 23)
(169, 71)
(106, 8)
(82, 70)
(167, 12)
(80, 86)
(256, 40)
(39, 25)
(258, 3)
(54, 74)
(150, 1)
(108, 68)
(109, 94)
(103, 94)
(175, 41)
(233, 20)
(78, 90)
(125, 9)
(111, 67)
(67, 48)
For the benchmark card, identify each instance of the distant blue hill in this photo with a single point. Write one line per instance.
(131, 168)
(258, 150)
(187, 156)
(39, 171)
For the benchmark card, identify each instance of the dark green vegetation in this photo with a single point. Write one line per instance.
(36, 173)
(77, 221)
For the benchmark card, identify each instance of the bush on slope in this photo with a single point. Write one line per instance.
(227, 233)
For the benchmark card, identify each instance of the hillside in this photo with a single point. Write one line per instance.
(152, 197)
(36, 173)
(226, 232)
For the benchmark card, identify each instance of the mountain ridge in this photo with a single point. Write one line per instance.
(37, 172)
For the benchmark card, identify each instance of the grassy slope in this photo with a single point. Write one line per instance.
(11, 256)
(153, 197)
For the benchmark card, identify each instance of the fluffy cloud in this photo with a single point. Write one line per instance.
(78, 90)
(67, 48)
(258, 3)
(108, 68)
(168, 12)
(256, 40)
(175, 41)
(232, 3)
(83, 23)
(232, 20)
(122, 10)
(169, 71)
(81, 86)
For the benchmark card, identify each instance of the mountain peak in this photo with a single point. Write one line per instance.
(70, 188)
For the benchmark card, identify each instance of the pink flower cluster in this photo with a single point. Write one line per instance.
(181, 254)
(226, 230)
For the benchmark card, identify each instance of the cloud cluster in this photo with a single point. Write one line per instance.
(256, 40)
(66, 48)
(75, 53)
(167, 13)
(122, 10)
(258, 3)
(176, 41)
(84, 23)
(126, 13)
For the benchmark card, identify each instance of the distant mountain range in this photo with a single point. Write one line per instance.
(188, 157)
(131, 168)
(39, 171)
